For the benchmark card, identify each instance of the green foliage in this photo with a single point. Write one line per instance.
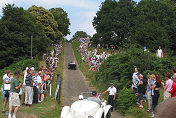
(80, 34)
(137, 113)
(21, 65)
(120, 67)
(46, 19)
(62, 20)
(149, 23)
(16, 28)
(154, 25)
(113, 21)
(125, 99)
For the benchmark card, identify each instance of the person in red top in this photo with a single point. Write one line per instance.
(173, 90)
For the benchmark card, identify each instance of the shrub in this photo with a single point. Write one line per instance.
(120, 67)
(126, 99)
(138, 113)
(21, 65)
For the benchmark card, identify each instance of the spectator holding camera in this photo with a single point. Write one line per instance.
(6, 89)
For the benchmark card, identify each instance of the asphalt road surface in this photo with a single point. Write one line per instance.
(74, 82)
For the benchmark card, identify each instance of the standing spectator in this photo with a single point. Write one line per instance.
(2, 87)
(173, 90)
(29, 89)
(156, 88)
(168, 86)
(153, 77)
(14, 96)
(112, 95)
(26, 72)
(149, 90)
(135, 81)
(6, 89)
(141, 89)
(159, 52)
(39, 85)
(35, 90)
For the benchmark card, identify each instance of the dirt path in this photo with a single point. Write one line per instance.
(73, 83)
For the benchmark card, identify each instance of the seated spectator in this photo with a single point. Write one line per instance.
(94, 98)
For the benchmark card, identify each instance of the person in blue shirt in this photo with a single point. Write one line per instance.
(149, 90)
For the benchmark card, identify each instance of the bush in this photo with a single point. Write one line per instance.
(120, 67)
(136, 112)
(126, 98)
(21, 65)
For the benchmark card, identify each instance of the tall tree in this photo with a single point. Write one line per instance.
(154, 24)
(113, 21)
(103, 22)
(62, 20)
(46, 19)
(80, 34)
(16, 28)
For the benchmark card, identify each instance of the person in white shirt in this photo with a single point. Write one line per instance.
(112, 95)
(159, 52)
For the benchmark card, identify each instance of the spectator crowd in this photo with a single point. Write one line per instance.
(93, 59)
(34, 86)
(151, 88)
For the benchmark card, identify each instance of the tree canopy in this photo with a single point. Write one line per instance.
(62, 20)
(149, 23)
(80, 34)
(16, 28)
(46, 19)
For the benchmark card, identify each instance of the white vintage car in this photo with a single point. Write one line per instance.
(86, 109)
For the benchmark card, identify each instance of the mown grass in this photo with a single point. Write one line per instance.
(101, 86)
(49, 108)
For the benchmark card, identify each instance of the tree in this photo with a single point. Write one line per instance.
(113, 21)
(16, 28)
(103, 20)
(62, 20)
(80, 34)
(154, 25)
(46, 19)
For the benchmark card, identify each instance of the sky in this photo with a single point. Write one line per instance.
(80, 12)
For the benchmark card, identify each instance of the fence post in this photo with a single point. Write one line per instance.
(50, 89)
(58, 90)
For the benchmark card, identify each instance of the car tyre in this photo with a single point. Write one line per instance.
(108, 114)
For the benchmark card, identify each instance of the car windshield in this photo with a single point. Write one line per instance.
(86, 94)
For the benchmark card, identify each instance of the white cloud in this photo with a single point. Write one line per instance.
(86, 25)
(86, 4)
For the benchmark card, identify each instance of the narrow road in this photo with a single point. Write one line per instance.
(74, 83)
